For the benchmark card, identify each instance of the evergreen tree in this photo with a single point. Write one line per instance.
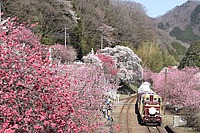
(192, 57)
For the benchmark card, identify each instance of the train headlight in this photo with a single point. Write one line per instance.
(152, 111)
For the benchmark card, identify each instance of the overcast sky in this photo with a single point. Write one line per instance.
(156, 8)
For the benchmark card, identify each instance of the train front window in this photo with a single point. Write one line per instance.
(159, 100)
(143, 100)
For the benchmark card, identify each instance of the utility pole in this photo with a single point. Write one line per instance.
(66, 35)
(50, 51)
(0, 12)
(165, 91)
(101, 41)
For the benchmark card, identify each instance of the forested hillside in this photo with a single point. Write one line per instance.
(87, 22)
(96, 24)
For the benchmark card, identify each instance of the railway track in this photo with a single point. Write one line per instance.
(128, 121)
(154, 129)
(124, 118)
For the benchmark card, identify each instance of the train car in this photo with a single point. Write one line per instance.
(149, 105)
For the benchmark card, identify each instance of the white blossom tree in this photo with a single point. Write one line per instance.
(125, 60)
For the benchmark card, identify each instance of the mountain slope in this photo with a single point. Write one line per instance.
(182, 21)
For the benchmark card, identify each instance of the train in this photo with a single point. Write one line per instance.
(148, 105)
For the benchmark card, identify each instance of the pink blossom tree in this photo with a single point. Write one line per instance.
(38, 96)
(182, 86)
(66, 54)
(90, 83)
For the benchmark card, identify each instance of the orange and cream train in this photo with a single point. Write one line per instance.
(149, 105)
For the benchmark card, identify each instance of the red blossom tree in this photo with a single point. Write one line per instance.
(108, 64)
(38, 96)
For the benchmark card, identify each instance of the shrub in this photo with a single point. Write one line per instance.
(65, 54)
